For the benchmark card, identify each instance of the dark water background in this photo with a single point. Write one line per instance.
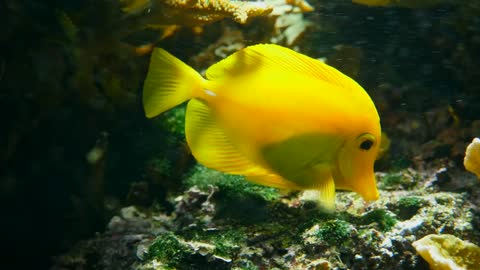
(55, 104)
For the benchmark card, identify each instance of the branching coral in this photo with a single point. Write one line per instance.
(204, 11)
(199, 12)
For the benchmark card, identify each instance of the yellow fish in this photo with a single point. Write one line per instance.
(278, 117)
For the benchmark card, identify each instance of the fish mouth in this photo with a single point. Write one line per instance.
(368, 188)
(365, 186)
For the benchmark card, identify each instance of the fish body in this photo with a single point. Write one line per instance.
(278, 117)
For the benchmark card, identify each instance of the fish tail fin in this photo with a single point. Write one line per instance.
(169, 83)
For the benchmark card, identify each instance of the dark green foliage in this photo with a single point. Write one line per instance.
(248, 265)
(162, 166)
(397, 180)
(383, 218)
(229, 185)
(168, 249)
(173, 121)
(227, 243)
(334, 231)
(391, 180)
(408, 206)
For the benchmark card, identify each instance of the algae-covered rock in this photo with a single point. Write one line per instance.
(224, 222)
(447, 252)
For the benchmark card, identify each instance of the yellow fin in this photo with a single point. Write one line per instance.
(326, 194)
(275, 57)
(169, 83)
(209, 144)
(135, 6)
(384, 146)
(272, 180)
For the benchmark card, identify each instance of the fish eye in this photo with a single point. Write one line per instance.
(366, 144)
(365, 141)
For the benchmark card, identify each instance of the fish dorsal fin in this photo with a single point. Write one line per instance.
(210, 146)
(275, 57)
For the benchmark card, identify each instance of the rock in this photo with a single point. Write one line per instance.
(447, 252)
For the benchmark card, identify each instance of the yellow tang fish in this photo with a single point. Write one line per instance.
(278, 117)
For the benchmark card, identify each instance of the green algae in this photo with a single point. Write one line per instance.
(384, 219)
(229, 185)
(196, 246)
(408, 206)
(168, 249)
(161, 165)
(334, 231)
(246, 265)
(174, 120)
(392, 180)
(403, 179)
(227, 243)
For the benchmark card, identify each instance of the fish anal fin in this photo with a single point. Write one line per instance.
(209, 144)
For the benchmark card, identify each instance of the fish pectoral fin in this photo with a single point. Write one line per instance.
(326, 198)
(209, 144)
(274, 57)
(272, 180)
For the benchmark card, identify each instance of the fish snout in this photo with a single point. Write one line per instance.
(367, 188)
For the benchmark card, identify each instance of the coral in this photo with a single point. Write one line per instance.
(472, 157)
(302, 4)
(194, 12)
(229, 42)
(281, 7)
(290, 23)
(289, 28)
(447, 252)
